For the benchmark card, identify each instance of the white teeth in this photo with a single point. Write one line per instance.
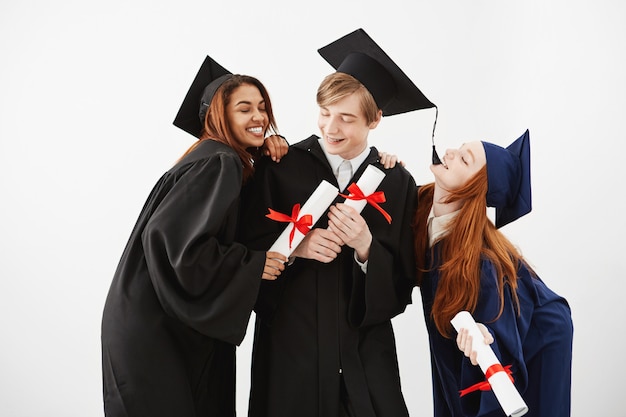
(255, 129)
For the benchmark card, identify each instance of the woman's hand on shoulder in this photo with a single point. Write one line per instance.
(275, 147)
(389, 160)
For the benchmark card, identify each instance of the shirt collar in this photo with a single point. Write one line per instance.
(438, 226)
(335, 160)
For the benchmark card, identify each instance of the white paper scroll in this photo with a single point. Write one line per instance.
(316, 205)
(368, 183)
(510, 399)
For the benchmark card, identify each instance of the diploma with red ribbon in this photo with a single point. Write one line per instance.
(364, 191)
(498, 378)
(485, 385)
(301, 219)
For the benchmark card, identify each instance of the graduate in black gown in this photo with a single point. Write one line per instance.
(324, 344)
(466, 263)
(184, 289)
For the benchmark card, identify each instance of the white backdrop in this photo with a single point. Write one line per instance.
(88, 92)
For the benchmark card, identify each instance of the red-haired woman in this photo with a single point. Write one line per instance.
(466, 263)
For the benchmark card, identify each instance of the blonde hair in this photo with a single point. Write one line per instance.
(339, 85)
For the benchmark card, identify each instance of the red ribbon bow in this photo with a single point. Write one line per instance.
(485, 385)
(302, 224)
(373, 199)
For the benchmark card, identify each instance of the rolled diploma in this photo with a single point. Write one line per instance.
(509, 398)
(316, 205)
(368, 183)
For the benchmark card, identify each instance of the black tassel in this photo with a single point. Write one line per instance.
(436, 160)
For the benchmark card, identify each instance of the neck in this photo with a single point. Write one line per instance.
(439, 206)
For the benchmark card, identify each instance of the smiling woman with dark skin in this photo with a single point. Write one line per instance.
(184, 289)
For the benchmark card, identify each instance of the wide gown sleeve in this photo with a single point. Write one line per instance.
(258, 232)
(508, 331)
(201, 277)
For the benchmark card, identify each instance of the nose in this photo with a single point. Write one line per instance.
(258, 115)
(331, 125)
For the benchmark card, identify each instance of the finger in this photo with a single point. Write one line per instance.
(270, 273)
(343, 233)
(463, 341)
(487, 337)
(269, 277)
(347, 210)
(468, 346)
(272, 149)
(274, 265)
(276, 255)
(284, 146)
(341, 214)
(327, 247)
(324, 257)
(277, 265)
(330, 237)
(474, 358)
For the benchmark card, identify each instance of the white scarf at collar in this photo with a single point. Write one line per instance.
(438, 226)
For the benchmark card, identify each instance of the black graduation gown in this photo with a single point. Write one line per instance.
(319, 322)
(537, 344)
(181, 296)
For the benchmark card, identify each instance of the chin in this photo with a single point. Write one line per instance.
(333, 150)
(257, 143)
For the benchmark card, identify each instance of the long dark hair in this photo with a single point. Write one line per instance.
(217, 126)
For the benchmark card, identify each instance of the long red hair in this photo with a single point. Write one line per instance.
(472, 236)
(217, 126)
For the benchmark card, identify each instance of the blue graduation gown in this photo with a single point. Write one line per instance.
(537, 343)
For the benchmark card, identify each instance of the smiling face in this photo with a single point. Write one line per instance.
(247, 115)
(459, 165)
(344, 127)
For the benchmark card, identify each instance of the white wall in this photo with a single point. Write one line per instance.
(88, 91)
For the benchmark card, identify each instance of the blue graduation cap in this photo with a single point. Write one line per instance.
(508, 178)
(192, 112)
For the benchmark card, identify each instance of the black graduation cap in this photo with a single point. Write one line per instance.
(358, 55)
(209, 78)
(508, 178)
